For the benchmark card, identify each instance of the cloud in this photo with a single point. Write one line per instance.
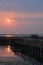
(21, 15)
(29, 15)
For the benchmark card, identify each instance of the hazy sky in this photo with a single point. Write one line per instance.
(26, 16)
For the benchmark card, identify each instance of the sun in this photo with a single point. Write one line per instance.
(8, 20)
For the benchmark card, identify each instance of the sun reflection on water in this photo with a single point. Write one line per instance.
(6, 52)
(8, 35)
(8, 49)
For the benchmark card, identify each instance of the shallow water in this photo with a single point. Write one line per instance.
(7, 54)
(5, 51)
(7, 57)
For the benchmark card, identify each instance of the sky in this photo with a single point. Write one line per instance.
(26, 16)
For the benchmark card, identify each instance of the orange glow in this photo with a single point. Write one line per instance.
(8, 35)
(8, 20)
(7, 52)
(8, 49)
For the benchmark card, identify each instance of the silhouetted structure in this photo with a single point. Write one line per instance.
(31, 46)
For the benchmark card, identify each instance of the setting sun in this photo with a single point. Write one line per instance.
(8, 20)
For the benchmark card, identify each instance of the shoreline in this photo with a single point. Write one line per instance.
(28, 59)
(13, 61)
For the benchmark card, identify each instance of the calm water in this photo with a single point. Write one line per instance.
(7, 54)
(18, 35)
(5, 51)
(7, 57)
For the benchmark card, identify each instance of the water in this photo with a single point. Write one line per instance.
(18, 35)
(7, 57)
(5, 51)
(14, 35)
